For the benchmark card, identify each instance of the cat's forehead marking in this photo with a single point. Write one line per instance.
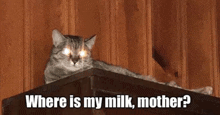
(74, 42)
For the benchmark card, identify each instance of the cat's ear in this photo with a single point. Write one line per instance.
(90, 42)
(57, 37)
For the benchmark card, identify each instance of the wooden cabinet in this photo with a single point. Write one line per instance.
(99, 83)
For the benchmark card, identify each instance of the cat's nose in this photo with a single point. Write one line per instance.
(75, 60)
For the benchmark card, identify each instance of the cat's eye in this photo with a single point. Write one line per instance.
(83, 53)
(66, 51)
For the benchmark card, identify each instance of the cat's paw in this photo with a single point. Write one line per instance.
(173, 84)
(208, 90)
(149, 78)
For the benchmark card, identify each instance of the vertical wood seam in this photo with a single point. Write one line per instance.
(113, 32)
(149, 37)
(72, 17)
(214, 58)
(27, 48)
(182, 32)
(65, 17)
(145, 52)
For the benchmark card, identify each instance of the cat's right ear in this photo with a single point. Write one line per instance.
(90, 42)
(57, 37)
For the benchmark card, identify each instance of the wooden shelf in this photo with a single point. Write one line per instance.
(96, 82)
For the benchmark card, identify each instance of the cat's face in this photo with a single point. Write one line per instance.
(72, 51)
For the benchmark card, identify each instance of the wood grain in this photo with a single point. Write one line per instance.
(184, 33)
(11, 42)
(182, 36)
(42, 17)
(201, 36)
(135, 12)
(149, 44)
(167, 38)
(214, 45)
(217, 23)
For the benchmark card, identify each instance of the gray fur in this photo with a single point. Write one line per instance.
(60, 65)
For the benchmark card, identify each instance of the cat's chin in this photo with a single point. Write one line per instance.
(71, 67)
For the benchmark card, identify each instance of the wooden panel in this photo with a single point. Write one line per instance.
(26, 29)
(84, 20)
(135, 12)
(182, 36)
(119, 37)
(121, 31)
(102, 22)
(201, 36)
(218, 36)
(149, 44)
(184, 33)
(42, 17)
(11, 53)
(214, 56)
(133, 29)
(167, 38)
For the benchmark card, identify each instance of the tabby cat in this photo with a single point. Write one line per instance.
(72, 54)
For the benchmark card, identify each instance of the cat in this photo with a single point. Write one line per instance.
(71, 54)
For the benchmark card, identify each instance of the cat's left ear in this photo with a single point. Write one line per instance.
(90, 42)
(57, 37)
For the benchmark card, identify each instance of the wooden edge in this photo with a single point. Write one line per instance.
(46, 89)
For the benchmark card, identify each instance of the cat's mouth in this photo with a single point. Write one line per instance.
(76, 64)
(72, 63)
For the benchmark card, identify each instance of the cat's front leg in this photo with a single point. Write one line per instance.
(205, 90)
(173, 84)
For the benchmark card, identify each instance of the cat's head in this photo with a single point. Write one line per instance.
(72, 51)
